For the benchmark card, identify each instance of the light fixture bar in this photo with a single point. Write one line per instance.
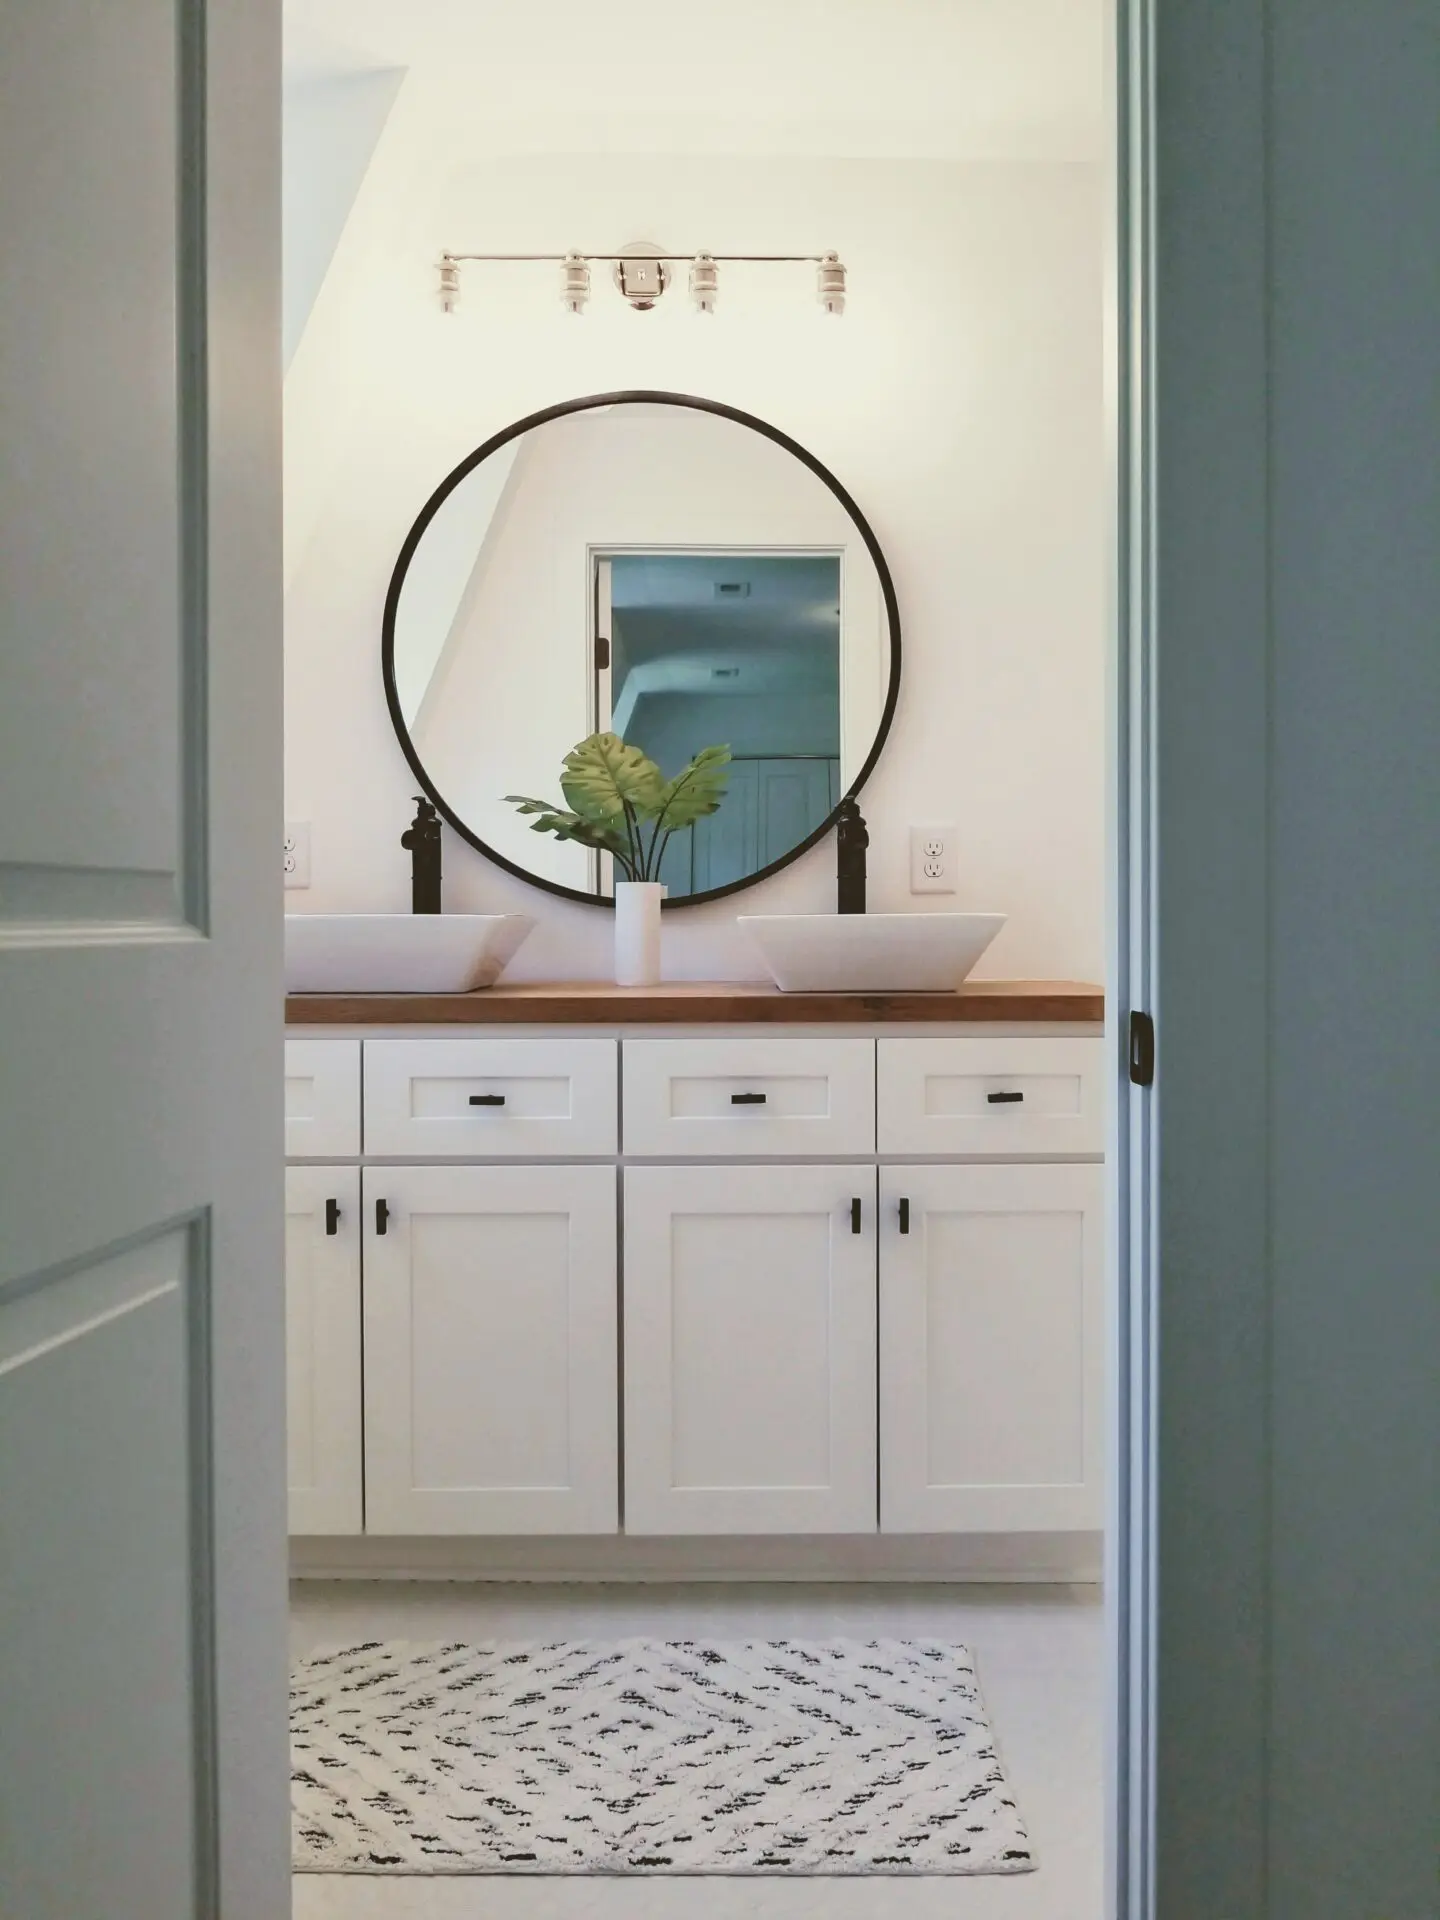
(670, 259)
(575, 274)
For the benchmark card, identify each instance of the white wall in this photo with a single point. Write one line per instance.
(959, 400)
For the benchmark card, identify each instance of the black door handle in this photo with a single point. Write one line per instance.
(1004, 1099)
(747, 1099)
(382, 1215)
(904, 1216)
(487, 1099)
(332, 1217)
(854, 1216)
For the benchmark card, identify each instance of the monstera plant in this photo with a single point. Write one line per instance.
(617, 799)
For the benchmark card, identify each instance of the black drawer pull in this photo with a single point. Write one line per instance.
(854, 1216)
(748, 1099)
(487, 1099)
(1004, 1099)
(382, 1216)
(904, 1216)
(332, 1217)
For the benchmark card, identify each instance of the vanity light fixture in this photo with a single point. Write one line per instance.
(642, 274)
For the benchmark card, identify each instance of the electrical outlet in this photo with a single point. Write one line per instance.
(932, 859)
(297, 853)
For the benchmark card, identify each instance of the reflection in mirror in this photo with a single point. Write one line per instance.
(673, 575)
(739, 649)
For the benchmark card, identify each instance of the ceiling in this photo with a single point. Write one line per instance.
(864, 78)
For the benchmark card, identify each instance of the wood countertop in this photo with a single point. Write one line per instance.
(697, 1003)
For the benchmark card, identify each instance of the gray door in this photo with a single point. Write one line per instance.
(141, 1366)
(771, 805)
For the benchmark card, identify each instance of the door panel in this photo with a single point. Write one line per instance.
(991, 1323)
(97, 1465)
(749, 1350)
(770, 807)
(93, 532)
(322, 1348)
(490, 1350)
(142, 1579)
(794, 797)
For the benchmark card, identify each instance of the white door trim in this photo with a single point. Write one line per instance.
(1132, 1145)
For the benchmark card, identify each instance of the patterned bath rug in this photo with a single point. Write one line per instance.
(645, 1756)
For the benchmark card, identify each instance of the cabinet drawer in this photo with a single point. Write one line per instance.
(322, 1099)
(482, 1099)
(992, 1098)
(705, 1099)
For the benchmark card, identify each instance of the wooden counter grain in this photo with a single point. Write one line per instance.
(697, 1003)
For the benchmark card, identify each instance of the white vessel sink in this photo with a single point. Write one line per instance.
(870, 952)
(399, 952)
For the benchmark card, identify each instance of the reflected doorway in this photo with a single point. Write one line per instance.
(740, 648)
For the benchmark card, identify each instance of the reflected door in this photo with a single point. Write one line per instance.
(771, 806)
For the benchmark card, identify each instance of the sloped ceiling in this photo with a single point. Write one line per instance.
(332, 121)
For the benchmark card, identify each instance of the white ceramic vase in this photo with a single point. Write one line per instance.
(637, 932)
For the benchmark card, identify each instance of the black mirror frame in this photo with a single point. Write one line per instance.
(585, 405)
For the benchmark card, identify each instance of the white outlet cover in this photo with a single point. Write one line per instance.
(932, 858)
(297, 853)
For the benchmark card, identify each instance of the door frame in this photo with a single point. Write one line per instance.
(1132, 1145)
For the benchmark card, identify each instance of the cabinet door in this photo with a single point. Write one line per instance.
(749, 1350)
(322, 1348)
(491, 1378)
(991, 1349)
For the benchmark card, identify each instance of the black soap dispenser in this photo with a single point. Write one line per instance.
(422, 839)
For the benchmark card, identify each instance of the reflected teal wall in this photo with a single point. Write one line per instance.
(672, 727)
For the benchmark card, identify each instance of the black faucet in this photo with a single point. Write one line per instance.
(422, 838)
(851, 839)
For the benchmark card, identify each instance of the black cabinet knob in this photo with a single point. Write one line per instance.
(382, 1216)
(332, 1217)
(1004, 1099)
(487, 1099)
(904, 1216)
(747, 1099)
(854, 1216)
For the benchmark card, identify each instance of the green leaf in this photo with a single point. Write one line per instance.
(606, 780)
(566, 825)
(696, 790)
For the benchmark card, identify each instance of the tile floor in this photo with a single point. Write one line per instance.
(1039, 1652)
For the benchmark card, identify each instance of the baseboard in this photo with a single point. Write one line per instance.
(1049, 1558)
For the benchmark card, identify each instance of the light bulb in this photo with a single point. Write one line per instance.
(575, 282)
(704, 282)
(830, 283)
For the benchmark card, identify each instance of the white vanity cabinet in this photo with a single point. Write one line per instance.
(750, 1349)
(727, 1282)
(490, 1350)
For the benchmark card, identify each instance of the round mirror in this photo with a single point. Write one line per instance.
(663, 569)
